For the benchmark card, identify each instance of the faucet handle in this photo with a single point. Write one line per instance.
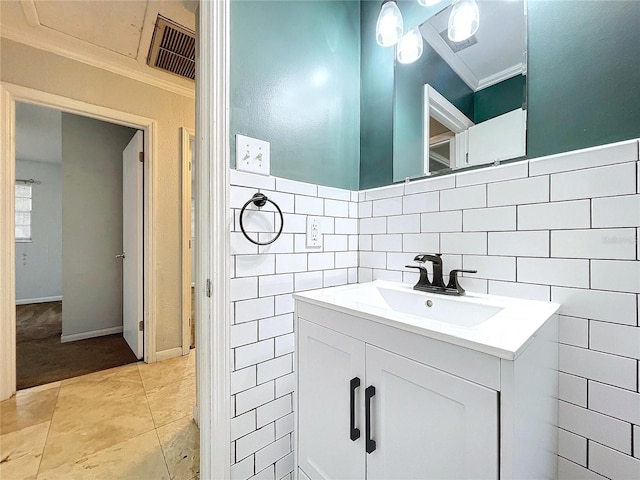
(453, 279)
(424, 275)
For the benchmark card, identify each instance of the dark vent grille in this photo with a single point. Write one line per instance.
(173, 48)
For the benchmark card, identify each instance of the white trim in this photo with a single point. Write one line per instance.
(60, 44)
(438, 107)
(167, 354)
(29, 301)
(9, 94)
(90, 334)
(213, 240)
(498, 77)
(187, 135)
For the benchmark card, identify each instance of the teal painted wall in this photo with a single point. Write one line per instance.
(500, 98)
(376, 103)
(584, 74)
(295, 82)
(583, 80)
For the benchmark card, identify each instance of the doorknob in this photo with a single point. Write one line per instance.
(121, 255)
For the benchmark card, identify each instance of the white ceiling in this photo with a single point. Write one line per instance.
(111, 34)
(38, 133)
(501, 43)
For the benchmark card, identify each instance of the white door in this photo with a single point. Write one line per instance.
(132, 244)
(427, 424)
(330, 447)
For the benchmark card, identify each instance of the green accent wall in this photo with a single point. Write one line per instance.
(295, 82)
(584, 74)
(499, 99)
(376, 102)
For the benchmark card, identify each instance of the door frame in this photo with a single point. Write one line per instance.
(9, 95)
(188, 134)
(213, 238)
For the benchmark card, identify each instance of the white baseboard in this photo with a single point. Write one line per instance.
(28, 301)
(91, 334)
(167, 354)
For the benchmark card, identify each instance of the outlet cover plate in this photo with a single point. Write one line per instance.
(314, 235)
(253, 155)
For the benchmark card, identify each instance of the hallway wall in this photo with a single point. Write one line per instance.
(44, 71)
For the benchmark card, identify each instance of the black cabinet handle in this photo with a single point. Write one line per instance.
(354, 432)
(369, 393)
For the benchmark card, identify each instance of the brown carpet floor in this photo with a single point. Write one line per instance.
(41, 358)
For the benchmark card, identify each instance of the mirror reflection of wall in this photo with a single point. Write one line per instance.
(483, 77)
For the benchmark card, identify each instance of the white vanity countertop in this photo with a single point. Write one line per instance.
(509, 326)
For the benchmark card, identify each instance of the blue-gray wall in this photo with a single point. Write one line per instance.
(295, 82)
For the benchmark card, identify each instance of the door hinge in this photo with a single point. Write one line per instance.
(466, 157)
(141, 326)
(141, 156)
(189, 243)
(208, 288)
(189, 166)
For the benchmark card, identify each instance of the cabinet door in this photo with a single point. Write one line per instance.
(428, 424)
(327, 363)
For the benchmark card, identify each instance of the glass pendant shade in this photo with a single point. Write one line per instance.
(390, 26)
(428, 3)
(464, 20)
(410, 47)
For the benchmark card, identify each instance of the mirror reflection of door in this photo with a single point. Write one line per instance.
(440, 139)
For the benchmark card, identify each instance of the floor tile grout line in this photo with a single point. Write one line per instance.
(46, 440)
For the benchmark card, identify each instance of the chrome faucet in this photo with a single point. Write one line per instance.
(437, 284)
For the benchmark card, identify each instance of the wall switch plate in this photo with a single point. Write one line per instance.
(253, 155)
(314, 235)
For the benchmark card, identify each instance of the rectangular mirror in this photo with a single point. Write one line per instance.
(462, 104)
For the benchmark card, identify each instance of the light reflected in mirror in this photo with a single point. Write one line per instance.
(462, 104)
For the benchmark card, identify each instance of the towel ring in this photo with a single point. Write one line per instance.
(260, 200)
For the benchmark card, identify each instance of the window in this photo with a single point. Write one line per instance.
(23, 213)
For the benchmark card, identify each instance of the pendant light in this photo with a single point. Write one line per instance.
(464, 20)
(428, 3)
(390, 26)
(410, 46)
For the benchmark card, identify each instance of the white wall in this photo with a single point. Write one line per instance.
(44, 71)
(91, 223)
(561, 228)
(263, 280)
(39, 263)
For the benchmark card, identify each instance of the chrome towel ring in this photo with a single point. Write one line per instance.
(260, 200)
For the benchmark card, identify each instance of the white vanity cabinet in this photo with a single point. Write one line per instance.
(420, 420)
(379, 402)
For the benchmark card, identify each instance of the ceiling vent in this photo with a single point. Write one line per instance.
(457, 46)
(173, 48)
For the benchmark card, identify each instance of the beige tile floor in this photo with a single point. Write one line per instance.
(132, 422)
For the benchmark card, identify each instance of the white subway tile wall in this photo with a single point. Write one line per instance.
(263, 280)
(562, 228)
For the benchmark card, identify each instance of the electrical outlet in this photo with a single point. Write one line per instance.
(314, 235)
(253, 155)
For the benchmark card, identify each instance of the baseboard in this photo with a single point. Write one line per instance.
(28, 301)
(91, 334)
(167, 354)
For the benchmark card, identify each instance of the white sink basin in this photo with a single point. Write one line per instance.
(501, 326)
(438, 307)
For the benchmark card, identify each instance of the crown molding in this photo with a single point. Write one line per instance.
(59, 44)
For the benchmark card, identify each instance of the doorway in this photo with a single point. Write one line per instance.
(78, 210)
(189, 202)
(12, 94)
